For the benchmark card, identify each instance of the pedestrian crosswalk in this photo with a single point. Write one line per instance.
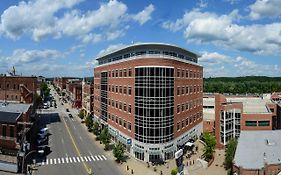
(78, 159)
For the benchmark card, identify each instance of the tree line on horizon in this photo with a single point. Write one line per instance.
(242, 85)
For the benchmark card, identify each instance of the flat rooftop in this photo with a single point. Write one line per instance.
(14, 107)
(9, 117)
(258, 147)
(252, 105)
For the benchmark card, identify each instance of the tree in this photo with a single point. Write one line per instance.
(230, 152)
(209, 148)
(89, 123)
(118, 151)
(45, 91)
(174, 172)
(96, 127)
(105, 138)
(81, 115)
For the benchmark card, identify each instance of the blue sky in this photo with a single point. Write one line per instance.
(63, 37)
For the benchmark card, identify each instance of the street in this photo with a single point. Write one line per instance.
(72, 151)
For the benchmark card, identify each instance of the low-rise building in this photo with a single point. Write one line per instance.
(18, 89)
(87, 97)
(258, 153)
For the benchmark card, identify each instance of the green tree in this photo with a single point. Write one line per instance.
(230, 153)
(210, 144)
(44, 89)
(96, 127)
(105, 138)
(118, 151)
(81, 115)
(174, 172)
(89, 123)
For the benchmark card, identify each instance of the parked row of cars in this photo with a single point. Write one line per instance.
(42, 138)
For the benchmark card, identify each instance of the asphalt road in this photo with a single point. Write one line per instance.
(73, 152)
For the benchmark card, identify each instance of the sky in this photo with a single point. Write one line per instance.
(63, 37)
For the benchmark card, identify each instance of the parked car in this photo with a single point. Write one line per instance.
(67, 110)
(70, 115)
(42, 140)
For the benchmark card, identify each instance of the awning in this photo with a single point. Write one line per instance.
(189, 144)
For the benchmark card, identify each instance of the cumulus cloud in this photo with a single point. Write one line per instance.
(145, 15)
(265, 9)
(223, 30)
(111, 48)
(40, 19)
(214, 58)
(21, 56)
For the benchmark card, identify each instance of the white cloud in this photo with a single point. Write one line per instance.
(21, 56)
(222, 30)
(232, 1)
(214, 58)
(202, 3)
(40, 19)
(265, 9)
(111, 48)
(145, 15)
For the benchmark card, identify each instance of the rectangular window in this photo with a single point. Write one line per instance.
(130, 72)
(182, 73)
(129, 126)
(178, 72)
(116, 119)
(264, 123)
(186, 121)
(109, 88)
(120, 105)
(186, 73)
(109, 102)
(251, 123)
(125, 89)
(125, 72)
(178, 90)
(116, 89)
(109, 74)
(125, 107)
(178, 126)
(130, 90)
(4, 131)
(120, 89)
(112, 103)
(124, 124)
(182, 107)
(120, 72)
(113, 118)
(190, 74)
(120, 121)
(186, 106)
(178, 109)
(11, 131)
(116, 104)
(182, 124)
(109, 116)
(112, 88)
(116, 72)
(112, 72)
(186, 90)
(129, 108)
(182, 90)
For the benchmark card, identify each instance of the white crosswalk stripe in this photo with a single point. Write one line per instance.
(63, 160)
(100, 157)
(97, 157)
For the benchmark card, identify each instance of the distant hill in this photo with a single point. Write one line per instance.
(241, 85)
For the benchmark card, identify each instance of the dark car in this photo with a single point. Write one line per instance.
(67, 110)
(70, 115)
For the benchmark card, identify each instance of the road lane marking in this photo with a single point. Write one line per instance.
(47, 162)
(55, 161)
(93, 158)
(70, 160)
(78, 159)
(74, 160)
(58, 160)
(66, 159)
(62, 160)
(89, 158)
(51, 161)
(82, 159)
(86, 159)
(43, 163)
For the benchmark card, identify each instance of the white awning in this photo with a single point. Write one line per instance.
(189, 144)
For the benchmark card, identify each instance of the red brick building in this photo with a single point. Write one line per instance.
(17, 88)
(235, 113)
(60, 82)
(87, 97)
(150, 97)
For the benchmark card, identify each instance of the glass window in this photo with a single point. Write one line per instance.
(124, 124)
(178, 72)
(129, 125)
(116, 89)
(178, 126)
(125, 72)
(186, 90)
(130, 90)
(125, 107)
(116, 104)
(112, 72)
(186, 106)
(120, 121)
(182, 90)
(120, 89)
(182, 73)
(4, 131)
(120, 105)
(182, 107)
(125, 90)
(186, 121)
(178, 109)
(264, 123)
(12, 131)
(116, 72)
(120, 72)
(178, 90)
(251, 123)
(186, 73)
(182, 124)
(130, 72)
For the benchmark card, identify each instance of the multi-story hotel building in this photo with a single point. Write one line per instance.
(150, 97)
